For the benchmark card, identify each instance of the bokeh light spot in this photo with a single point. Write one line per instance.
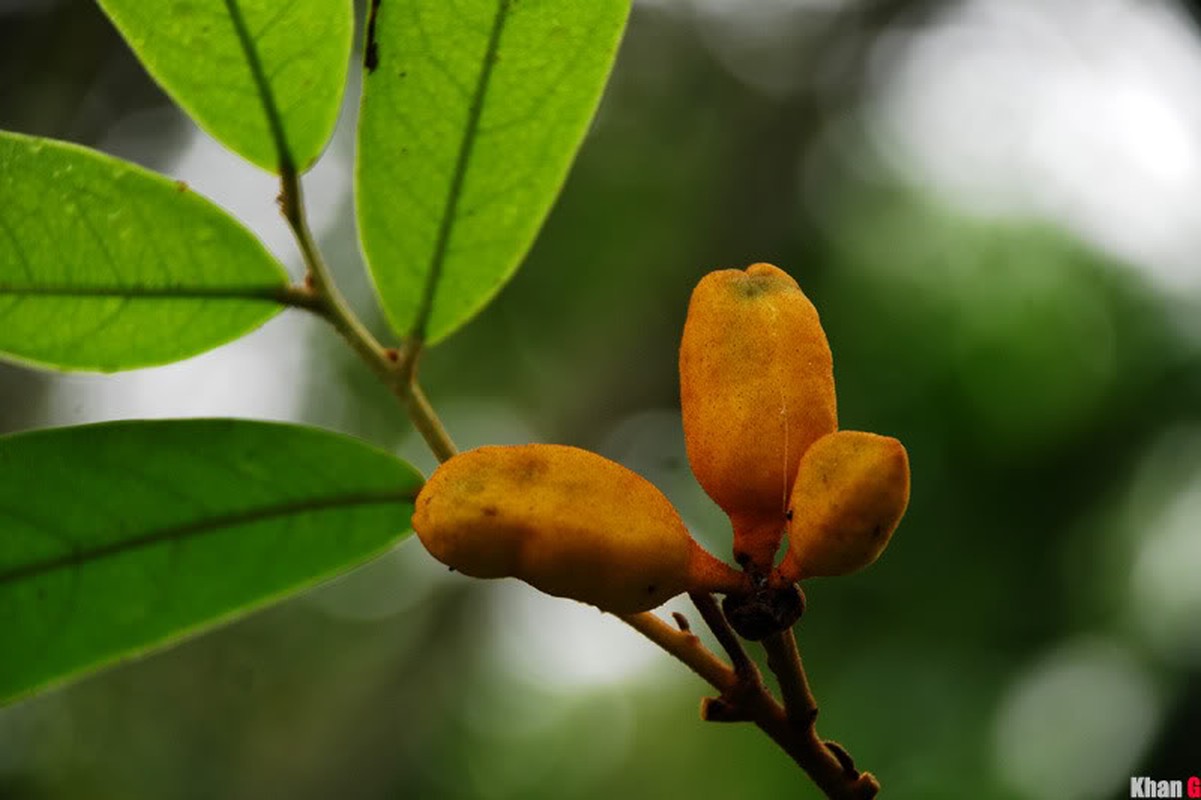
(1075, 725)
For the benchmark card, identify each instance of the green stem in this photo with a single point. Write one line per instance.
(712, 615)
(428, 424)
(319, 281)
(320, 294)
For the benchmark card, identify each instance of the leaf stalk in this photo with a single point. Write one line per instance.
(320, 294)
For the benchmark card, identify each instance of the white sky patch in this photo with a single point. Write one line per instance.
(763, 43)
(1076, 723)
(1087, 115)
(246, 192)
(746, 12)
(262, 375)
(564, 645)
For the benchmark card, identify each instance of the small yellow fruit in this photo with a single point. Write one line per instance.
(566, 521)
(756, 390)
(850, 494)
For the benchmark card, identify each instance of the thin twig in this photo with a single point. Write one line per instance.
(742, 701)
(319, 282)
(828, 764)
(685, 646)
(731, 705)
(785, 662)
(716, 620)
(427, 422)
(321, 295)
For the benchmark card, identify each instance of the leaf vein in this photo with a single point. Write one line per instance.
(188, 530)
(466, 146)
(275, 122)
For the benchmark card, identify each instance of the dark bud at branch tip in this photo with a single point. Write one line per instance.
(763, 612)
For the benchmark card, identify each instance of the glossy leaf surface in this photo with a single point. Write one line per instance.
(108, 266)
(264, 77)
(472, 113)
(119, 537)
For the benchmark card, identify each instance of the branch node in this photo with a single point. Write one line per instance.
(719, 709)
(743, 700)
(744, 668)
(681, 622)
(765, 611)
(844, 758)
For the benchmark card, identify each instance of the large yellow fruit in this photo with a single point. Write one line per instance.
(566, 521)
(851, 492)
(756, 390)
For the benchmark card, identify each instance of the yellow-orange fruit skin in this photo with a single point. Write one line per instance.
(756, 390)
(567, 521)
(851, 492)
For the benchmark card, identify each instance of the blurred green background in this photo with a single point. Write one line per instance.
(996, 207)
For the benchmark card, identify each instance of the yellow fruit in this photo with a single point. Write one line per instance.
(566, 521)
(850, 494)
(756, 390)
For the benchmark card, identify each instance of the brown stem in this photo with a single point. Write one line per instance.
(828, 764)
(687, 647)
(742, 700)
(711, 614)
(785, 662)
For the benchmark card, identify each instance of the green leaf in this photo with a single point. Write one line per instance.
(107, 266)
(470, 119)
(264, 77)
(120, 537)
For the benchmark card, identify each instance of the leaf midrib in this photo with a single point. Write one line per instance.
(286, 162)
(462, 162)
(275, 293)
(199, 527)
